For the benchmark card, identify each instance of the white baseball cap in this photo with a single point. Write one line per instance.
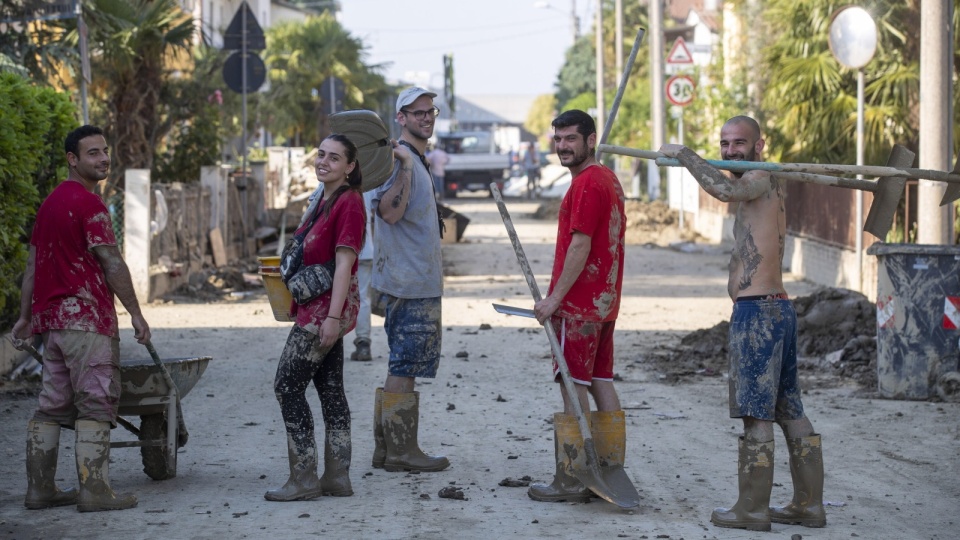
(411, 94)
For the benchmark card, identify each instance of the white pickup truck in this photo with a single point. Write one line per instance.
(475, 162)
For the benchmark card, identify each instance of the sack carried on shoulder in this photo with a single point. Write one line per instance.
(311, 281)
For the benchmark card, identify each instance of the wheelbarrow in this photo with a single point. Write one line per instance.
(151, 389)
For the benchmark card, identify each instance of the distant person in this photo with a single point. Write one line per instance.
(764, 387)
(361, 340)
(74, 269)
(583, 303)
(531, 166)
(313, 353)
(408, 271)
(438, 161)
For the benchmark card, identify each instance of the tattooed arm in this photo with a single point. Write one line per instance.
(394, 202)
(749, 186)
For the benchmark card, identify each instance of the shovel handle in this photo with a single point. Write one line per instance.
(590, 449)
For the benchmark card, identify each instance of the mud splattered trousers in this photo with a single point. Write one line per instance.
(303, 361)
(763, 360)
(81, 378)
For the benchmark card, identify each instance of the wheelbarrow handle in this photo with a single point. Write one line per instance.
(22, 345)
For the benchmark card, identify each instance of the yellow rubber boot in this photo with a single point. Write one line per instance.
(755, 474)
(302, 484)
(400, 420)
(43, 445)
(565, 487)
(93, 462)
(806, 469)
(609, 432)
(337, 451)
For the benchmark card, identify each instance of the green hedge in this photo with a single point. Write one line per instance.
(34, 121)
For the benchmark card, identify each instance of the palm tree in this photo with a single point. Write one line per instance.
(132, 42)
(810, 100)
(299, 56)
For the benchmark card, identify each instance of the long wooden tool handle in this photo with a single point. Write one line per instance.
(551, 333)
(818, 168)
(608, 125)
(824, 180)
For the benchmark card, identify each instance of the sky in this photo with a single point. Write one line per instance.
(498, 46)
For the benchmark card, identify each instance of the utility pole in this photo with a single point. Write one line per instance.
(657, 112)
(601, 106)
(618, 43)
(934, 224)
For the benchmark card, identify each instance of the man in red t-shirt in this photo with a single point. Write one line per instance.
(583, 302)
(74, 269)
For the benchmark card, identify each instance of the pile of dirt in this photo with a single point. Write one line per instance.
(647, 222)
(837, 340)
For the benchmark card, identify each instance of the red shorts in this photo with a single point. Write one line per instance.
(587, 348)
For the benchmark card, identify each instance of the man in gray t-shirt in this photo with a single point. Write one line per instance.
(408, 273)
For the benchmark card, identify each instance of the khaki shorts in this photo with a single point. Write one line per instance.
(81, 377)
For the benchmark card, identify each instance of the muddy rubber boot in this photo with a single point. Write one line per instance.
(362, 351)
(379, 450)
(565, 487)
(303, 483)
(755, 473)
(806, 469)
(93, 468)
(336, 464)
(609, 432)
(43, 444)
(400, 420)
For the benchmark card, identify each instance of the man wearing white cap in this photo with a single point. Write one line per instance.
(407, 272)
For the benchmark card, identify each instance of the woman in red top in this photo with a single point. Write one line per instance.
(314, 348)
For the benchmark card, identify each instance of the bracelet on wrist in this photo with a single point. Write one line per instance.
(332, 317)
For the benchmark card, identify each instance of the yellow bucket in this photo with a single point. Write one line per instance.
(280, 299)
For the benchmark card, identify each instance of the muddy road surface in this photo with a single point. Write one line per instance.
(892, 467)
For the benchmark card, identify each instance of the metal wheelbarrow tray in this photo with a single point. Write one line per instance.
(144, 392)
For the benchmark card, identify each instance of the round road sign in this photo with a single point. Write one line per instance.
(680, 90)
(233, 72)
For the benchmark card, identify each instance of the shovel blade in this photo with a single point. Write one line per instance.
(610, 483)
(887, 196)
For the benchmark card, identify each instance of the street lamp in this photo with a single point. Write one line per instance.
(853, 41)
(574, 20)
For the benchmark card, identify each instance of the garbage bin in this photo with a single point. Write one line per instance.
(918, 315)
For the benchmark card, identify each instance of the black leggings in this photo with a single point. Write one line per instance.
(302, 361)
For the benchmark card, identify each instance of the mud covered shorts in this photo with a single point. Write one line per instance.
(81, 377)
(763, 360)
(587, 347)
(413, 335)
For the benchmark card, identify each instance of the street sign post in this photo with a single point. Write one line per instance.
(679, 59)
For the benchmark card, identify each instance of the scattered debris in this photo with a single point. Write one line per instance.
(451, 407)
(500, 399)
(451, 492)
(513, 482)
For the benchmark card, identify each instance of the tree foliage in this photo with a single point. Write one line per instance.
(34, 121)
(299, 56)
(133, 43)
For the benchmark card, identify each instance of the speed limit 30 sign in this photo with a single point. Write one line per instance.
(680, 90)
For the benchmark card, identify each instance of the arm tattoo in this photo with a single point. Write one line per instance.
(398, 199)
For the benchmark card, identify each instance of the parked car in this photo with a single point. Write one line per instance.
(475, 162)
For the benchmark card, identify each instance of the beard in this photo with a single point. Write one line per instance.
(740, 156)
(573, 158)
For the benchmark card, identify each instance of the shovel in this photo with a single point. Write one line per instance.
(610, 483)
(887, 190)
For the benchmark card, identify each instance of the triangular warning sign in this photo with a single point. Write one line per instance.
(233, 36)
(679, 53)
